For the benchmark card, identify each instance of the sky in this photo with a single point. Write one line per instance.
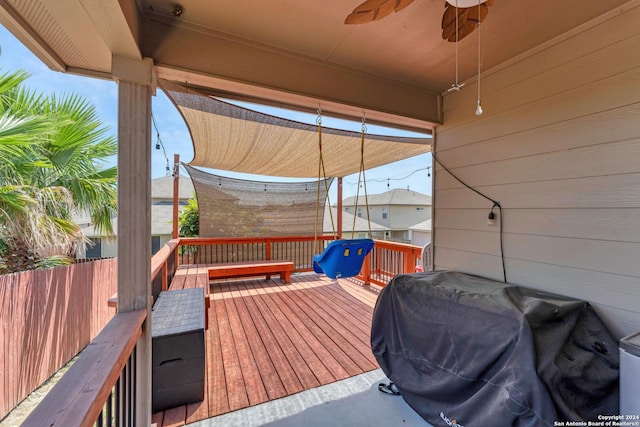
(174, 135)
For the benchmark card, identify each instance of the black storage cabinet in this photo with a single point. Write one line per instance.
(177, 325)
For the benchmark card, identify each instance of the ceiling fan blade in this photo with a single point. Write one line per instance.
(401, 4)
(449, 15)
(373, 10)
(356, 18)
(449, 22)
(467, 29)
(468, 19)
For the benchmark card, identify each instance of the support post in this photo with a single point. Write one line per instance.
(135, 88)
(339, 207)
(176, 194)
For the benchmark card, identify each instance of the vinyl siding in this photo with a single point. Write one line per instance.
(559, 148)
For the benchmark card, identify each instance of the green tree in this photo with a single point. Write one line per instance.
(54, 164)
(189, 219)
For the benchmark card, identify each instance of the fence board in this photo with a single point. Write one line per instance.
(46, 318)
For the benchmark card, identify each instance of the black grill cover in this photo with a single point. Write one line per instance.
(474, 352)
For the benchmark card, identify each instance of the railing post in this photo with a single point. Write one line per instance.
(176, 195)
(366, 269)
(267, 249)
(409, 262)
(165, 278)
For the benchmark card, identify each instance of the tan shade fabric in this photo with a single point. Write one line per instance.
(230, 207)
(232, 138)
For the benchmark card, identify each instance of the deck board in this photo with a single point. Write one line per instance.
(268, 346)
(267, 339)
(216, 384)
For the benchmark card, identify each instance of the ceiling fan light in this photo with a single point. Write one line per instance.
(465, 3)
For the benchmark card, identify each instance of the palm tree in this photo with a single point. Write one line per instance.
(55, 152)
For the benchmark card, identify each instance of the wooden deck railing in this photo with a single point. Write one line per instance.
(99, 389)
(388, 259)
(297, 249)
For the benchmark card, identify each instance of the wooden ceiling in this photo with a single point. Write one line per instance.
(297, 53)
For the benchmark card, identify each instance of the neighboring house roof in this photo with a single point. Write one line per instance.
(161, 222)
(162, 188)
(347, 223)
(396, 196)
(422, 226)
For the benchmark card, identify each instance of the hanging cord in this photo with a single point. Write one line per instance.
(362, 173)
(479, 107)
(456, 86)
(496, 204)
(321, 175)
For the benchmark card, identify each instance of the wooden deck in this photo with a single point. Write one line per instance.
(267, 339)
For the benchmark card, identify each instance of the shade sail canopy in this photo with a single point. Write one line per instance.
(231, 207)
(232, 138)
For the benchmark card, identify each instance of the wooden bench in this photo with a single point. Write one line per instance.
(255, 268)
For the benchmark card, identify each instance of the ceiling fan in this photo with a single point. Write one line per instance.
(467, 11)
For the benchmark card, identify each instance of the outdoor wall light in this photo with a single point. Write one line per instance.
(491, 219)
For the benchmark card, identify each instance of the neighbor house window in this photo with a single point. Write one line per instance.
(94, 248)
(419, 209)
(385, 212)
(155, 244)
(347, 209)
(359, 212)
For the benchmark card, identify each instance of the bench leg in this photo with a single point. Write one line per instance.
(268, 277)
(286, 276)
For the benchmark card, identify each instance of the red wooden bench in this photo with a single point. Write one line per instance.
(254, 268)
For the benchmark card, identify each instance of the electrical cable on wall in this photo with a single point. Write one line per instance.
(491, 216)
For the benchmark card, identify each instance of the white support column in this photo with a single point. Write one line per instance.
(135, 88)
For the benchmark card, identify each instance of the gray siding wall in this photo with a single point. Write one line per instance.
(559, 148)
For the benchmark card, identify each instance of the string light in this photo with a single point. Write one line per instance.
(428, 169)
(159, 143)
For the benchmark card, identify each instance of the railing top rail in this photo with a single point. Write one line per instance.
(228, 240)
(400, 247)
(161, 256)
(78, 398)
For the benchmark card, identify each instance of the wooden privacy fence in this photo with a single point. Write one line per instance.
(47, 317)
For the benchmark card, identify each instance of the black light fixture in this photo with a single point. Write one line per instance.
(428, 171)
(491, 219)
(158, 145)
